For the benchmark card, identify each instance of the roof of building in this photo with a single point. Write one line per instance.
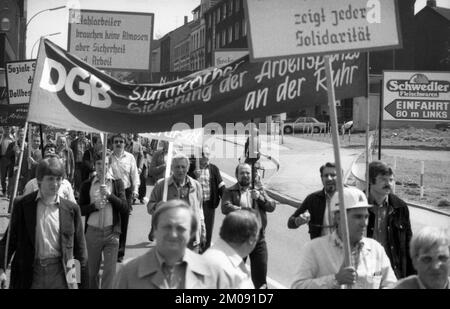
(443, 11)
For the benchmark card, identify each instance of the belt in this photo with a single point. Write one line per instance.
(47, 261)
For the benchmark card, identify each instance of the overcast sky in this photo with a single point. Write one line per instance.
(169, 14)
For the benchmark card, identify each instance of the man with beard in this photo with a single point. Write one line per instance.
(322, 264)
(315, 209)
(240, 196)
(389, 222)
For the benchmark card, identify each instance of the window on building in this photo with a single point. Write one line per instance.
(208, 25)
(230, 10)
(236, 31)
(218, 15)
(237, 5)
(218, 40)
(208, 46)
(224, 37)
(230, 34)
(202, 37)
(224, 11)
(244, 27)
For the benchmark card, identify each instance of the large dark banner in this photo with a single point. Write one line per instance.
(69, 93)
(13, 115)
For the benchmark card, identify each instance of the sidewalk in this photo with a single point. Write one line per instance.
(299, 162)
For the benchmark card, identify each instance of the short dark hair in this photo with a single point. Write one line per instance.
(52, 166)
(238, 167)
(172, 204)
(378, 168)
(328, 164)
(118, 135)
(49, 145)
(239, 226)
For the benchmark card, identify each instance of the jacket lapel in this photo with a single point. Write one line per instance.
(195, 272)
(30, 212)
(149, 266)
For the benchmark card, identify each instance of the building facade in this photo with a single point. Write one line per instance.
(226, 27)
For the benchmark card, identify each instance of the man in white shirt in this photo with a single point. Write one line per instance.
(322, 263)
(124, 167)
(46, 243)
(238, 237)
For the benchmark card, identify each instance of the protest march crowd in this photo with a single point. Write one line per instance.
(70, 176)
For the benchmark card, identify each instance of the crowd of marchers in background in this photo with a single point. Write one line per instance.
(68, 176)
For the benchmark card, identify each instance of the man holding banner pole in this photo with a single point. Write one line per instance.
(124, 167)
(322, 264)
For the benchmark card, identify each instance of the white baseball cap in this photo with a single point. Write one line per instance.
(353, 198)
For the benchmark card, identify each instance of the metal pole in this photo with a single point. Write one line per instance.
(337, 158)
(42, 140)
(380, 120)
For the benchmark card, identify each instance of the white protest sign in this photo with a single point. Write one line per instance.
(111, 40)
(19, 79)
(179, 137)
(293, 27)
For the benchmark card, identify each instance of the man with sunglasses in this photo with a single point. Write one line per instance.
(315, 209)
(124, 167)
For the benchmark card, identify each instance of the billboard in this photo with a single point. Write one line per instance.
(293, 27)
(19, 78)
(111, 40)
(412, 95)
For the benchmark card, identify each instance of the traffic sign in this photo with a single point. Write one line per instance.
(418, 96)
(419, 109)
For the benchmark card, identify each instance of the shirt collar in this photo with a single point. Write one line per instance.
(108, 178)
(162, 262)
(338, 242)
(39, 197)
(385, 201)
(232, 255)
(172, 181)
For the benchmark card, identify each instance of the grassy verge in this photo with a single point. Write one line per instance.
(402, 137)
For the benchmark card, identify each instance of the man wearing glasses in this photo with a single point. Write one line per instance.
(123, 166)
(315, 209)
(429, 251)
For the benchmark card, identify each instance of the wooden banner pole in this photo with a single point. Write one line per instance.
(167, 173)
(337, 159)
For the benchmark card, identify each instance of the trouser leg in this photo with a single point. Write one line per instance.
(94, 244)
(209, 214)
(110, 249)
(124, 225)
(258, 262)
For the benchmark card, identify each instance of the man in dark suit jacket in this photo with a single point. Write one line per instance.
(315, 208)
(46, 236)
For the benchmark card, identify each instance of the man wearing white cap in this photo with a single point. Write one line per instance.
(322, 263)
